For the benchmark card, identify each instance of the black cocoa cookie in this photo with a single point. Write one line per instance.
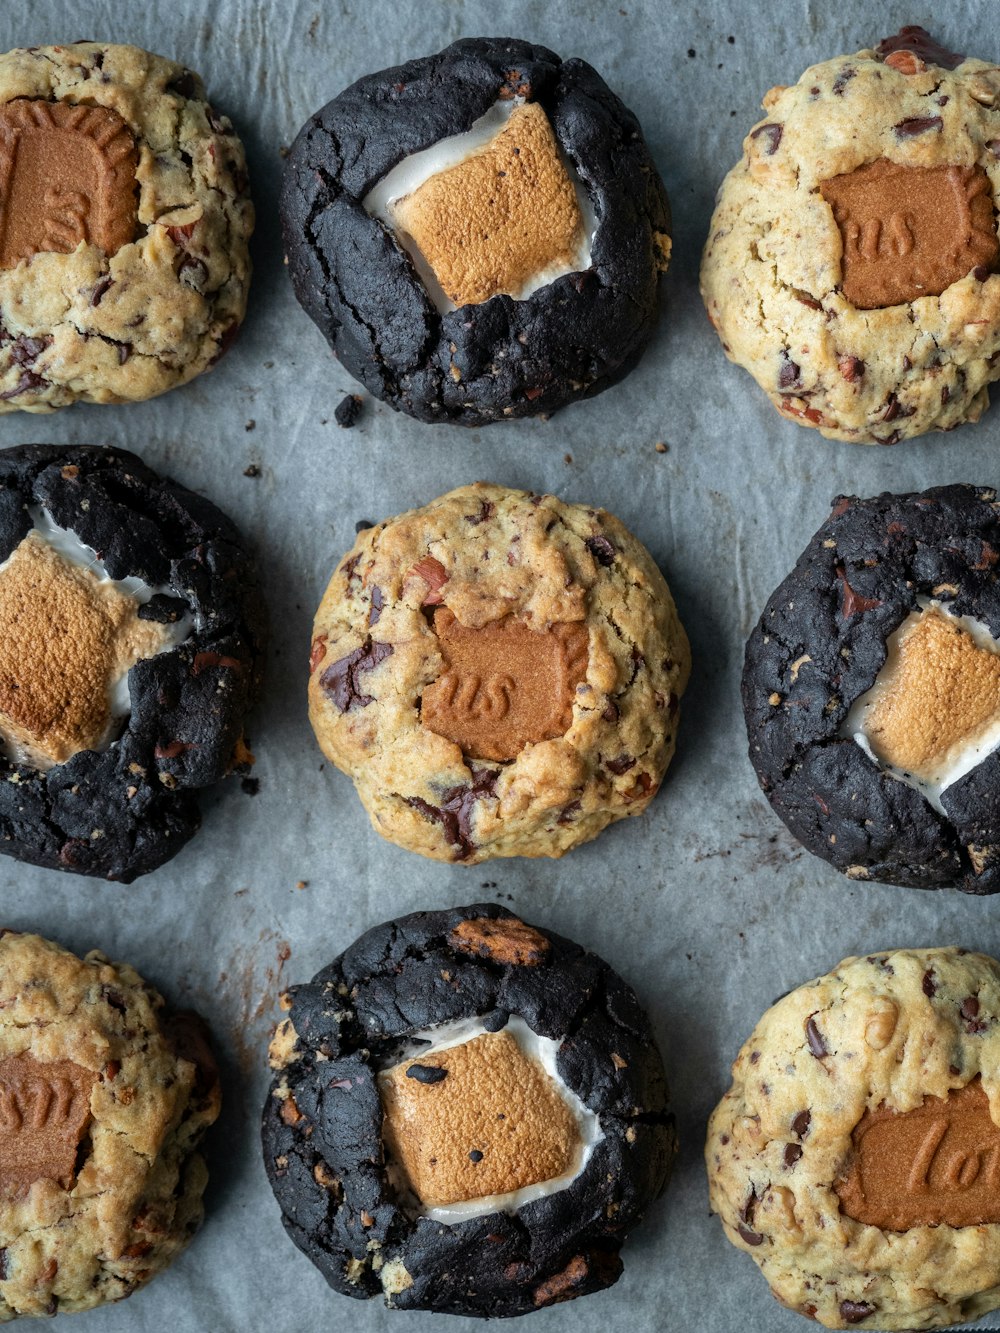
(871, 690)
(468, 1115)
(131, 627)
(475, 283)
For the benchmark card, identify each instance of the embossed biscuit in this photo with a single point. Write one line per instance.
(44, 1111)
(938, 1164)
(856, 1157)
(124, 222)
(67, 177)
(852, 260)
(911, 231)
(499, 673)
(506, 685)
(104, 1097)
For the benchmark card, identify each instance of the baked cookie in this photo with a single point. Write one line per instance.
(856, 1155)
(499, 673)
(852, 261)
(124, 222)
(104, 1097)
(871, 690)
(478, 1147)
(130, 653)
(478, 234)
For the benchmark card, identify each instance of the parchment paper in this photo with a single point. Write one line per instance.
(706, 904)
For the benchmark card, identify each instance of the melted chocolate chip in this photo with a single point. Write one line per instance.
(601, 549)
(427, 1073)
(801, 1123)
(792, 1154)
(788, 372)
(340, 680)
(815, 1039)
(455, 810)
(377, 604)
(909, 129)
(922, 44)
(929, 984)
(486, 510)
(620, 765)
(852, 1312)
(770, 136)
(843, 79)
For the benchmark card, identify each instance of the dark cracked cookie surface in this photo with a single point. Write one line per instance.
(131, 626)
(871, 690)
(467, 1115)
(475, 283)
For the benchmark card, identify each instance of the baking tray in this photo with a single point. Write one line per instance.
(705, 903)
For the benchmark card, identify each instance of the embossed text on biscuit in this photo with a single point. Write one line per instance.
(909, 232)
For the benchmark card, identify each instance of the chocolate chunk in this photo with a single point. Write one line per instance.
(427, 1073)
(817, 1045)
(909, 129)
(853, 1312)
(792, 1154)
(919, 41)
(348, 410)
(340, 680)
(770, 136)
(601, 549)
(801, 1122)
(929, 985)
(788, 371)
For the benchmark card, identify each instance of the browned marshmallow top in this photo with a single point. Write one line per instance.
(67, 174)
(44, 1110)
(937, 1164)
(65, 636)
(505, 685)
(942, 692)
(490, 224)
(910, 231)
(477, 1119)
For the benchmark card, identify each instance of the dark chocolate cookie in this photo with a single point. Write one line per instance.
(477, 284)
(131, 626)
(871, 690)
(468, 1115)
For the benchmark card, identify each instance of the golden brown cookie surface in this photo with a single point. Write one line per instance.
(499, 673)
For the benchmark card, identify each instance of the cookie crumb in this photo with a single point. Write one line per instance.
(691, 53)
(252, 471)
(302, 884)
(662, 448)
(567, 458)
(251, 425)
(250, 785)
(348, 410)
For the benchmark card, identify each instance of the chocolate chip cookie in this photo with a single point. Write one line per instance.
(104, 1097)
(478, 234)
(871, 690)
(131, 628)
(499, 673)
(856, 1156)
(124, 223)
(852, 262)
(477, 1147)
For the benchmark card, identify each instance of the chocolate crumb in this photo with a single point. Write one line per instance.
(252, 471)
(475, 1155)
(427, 1073)
(250, 785)
(348, 410)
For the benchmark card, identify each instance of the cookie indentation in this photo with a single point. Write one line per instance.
(44, 1111)
(934, 710)
(909, 232)
(67, 175)
(503, 220)
(496, 1123)
(938, 1164)
(67, 638)
(505, 685)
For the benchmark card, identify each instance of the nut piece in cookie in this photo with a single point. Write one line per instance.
(130, 642)
(495, 1162)
(501, 218)
(871, 690)
(853, 264)
(501, 205)
(863, 1103)
(124, 227)
(102, 1109)
(499, 673)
